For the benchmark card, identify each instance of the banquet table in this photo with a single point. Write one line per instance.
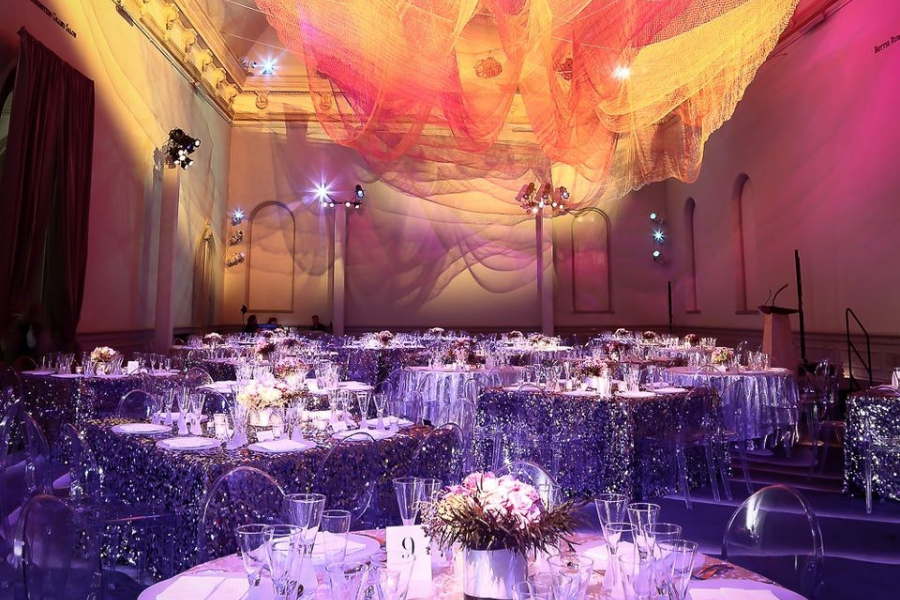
(447, 582)
(591, 443)
(373, 365)
(57, 398)
(872, 413)
(139, 472)
(445, 384)
(768, 398)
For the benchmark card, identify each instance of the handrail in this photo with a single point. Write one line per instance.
(851, 350)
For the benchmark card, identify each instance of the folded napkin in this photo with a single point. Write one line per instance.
(636, 395)
(354, 385)
(377, 435)
(233, 588)
(730, 593)
(279, 446)
(67, 375)
(195, 587)
(189, 442)
(141, 428)
(402, 423)
(670, 390)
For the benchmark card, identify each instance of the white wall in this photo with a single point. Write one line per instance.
(139, 98)
(817, 134)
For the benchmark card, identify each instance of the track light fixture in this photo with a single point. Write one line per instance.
(531, 202)
(178, 149)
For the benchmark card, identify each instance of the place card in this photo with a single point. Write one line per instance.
(411, 540)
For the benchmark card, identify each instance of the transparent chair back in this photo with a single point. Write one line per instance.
(440, 455)
(408, 407)
(137, 405)
(241, 496)
(10, 387)
(195, 377)
(60, 551)
(85, 477)
(527, 472)
(776, 533)
(350, 489)
(215, 403)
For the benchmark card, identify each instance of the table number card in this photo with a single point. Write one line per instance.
(412, 540)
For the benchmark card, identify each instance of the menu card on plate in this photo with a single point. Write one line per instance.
(412, 540)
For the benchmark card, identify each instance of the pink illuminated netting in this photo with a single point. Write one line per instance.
(623, 91)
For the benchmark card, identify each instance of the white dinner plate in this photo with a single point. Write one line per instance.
(359, 548)
(176, 416)
(670, 390)
(402, 423)
(67, 375)
(141, 428)
(190, 442)
(354, 385)
(635, 395)
(281, 446)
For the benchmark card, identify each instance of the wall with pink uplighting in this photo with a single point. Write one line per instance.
(817, 135)
(139, 98)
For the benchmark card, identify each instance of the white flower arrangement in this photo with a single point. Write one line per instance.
(213, 339)
(722, 356)
(436, 331)
(103, 354)
(255, 396)
(384, 337)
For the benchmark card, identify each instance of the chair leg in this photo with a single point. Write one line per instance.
(868, 475)
(711, 469)
(683, 476)
(723, 473)
(745, 466)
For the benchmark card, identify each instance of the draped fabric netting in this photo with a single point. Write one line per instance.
(624, 92)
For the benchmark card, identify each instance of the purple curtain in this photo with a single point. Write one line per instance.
(46, 189)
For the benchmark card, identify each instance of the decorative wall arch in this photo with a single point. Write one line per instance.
(738, 242)
(270, 258)
(7, 85)
(690, 286)
(591, 262)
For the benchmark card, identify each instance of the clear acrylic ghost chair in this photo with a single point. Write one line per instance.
(137, 405)
(195, 377)
(215, 403)
(880, 434)
(10, 387)
(534, 475)
(242, 496)
(439, 455)
(349, 475)
(408, 407)
(739, 435)
(60, 551)
(776, 533)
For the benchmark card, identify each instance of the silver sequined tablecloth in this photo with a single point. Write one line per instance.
(873, 414)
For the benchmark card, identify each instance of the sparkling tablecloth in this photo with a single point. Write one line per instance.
(589, 443)
(373, 365)
(445, 384)
(140, 473)
(54, 399)
(768, 399)
(878, 412)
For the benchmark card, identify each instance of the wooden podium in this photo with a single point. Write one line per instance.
(778, 341)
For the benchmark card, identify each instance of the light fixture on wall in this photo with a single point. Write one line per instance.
(659, 257)
(327, 201)
(234, 259)
(178, 149)
(237, 217)
(235, 239)
(656, 218)
(534, 203)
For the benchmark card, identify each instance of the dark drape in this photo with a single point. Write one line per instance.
(46, 186)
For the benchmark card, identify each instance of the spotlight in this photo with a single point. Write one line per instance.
(545, 195)
(268, 67)
(659, 257)
(359, 191)
(321, 191)
(563, 192)
(656, 218)
(658, 236)
(237, 217)
(622, 72)
(347, 204)
(178, 147)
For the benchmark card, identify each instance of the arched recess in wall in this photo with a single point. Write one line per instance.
(690, 278)
(741, 184)
(591, 262)
(270, 259)
(205, 260)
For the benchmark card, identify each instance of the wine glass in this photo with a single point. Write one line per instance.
(571, 573)
(363, 399)
(252, 544)
(334, 526)
(678, 562)
(347, 579)
(643, 515)
(613, 534)
(380, 403)
(305, 510)
(409, 491)
(284, 558)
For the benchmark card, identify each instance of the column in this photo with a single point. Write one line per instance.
(165, 271)
(338, 293)
(544, 239)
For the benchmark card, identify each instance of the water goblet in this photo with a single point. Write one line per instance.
(252, 546)
(643, 515)
(283, 554)
(305, 511)
(346, 579)
(610, 508)
(380, 403)
(571, 574)
(677, 559)
(614, 533)
(636, 576)
(398, 561)
(409, 491)
(363, 399)
(531, 590)
(334, 528)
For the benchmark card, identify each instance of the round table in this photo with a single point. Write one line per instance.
(447, 580)
(767, 398)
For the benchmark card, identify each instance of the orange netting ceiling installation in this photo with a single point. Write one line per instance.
(622, 92)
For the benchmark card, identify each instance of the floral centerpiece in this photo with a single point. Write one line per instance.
(289, 342)
(650, 336)
(460, 351)
(498, 521)
(258, 399)
(213, 339)
(612, 349)
(289, 366)
(722, 356)
(515, 335)
(594, 367)
(621, 332)
(539, 340)
(279, 331)
(692, 339)
(436, 331)
(384, 337)
(102, 358)
(265, 334)
(265, 347)
(291, 393)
